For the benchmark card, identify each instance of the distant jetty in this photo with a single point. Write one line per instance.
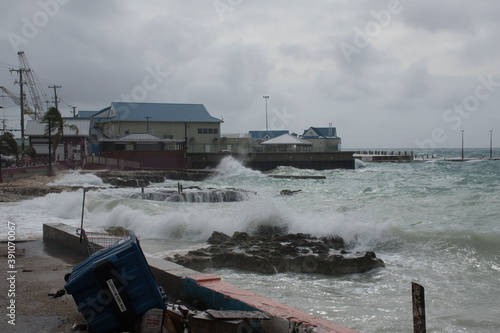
(384, 156)
(404, 156)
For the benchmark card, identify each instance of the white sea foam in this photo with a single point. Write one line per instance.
(76, 178)
(229, 167)
(435, 223)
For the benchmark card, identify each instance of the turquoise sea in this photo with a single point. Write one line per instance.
(436, 223)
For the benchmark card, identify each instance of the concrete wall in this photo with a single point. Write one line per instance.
(20, 172)
(269, 161)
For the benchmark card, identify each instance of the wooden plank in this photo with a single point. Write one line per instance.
(233, 314)
(418, 302)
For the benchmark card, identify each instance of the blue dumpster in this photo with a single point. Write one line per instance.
(114, 287)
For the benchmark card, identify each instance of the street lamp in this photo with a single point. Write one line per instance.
(49, 171)
(491, 144)
(462, 144)
(266, 98)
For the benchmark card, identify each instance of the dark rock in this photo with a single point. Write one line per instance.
(218, 238)
(289, 249)
(117, 231)
(289, 192)
(336, 242)
(270, 253)
(268, 230)
(239, 236)
(321, 249)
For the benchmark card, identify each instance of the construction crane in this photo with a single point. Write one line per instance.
(33, 86)
(36, 110)
(17, 100)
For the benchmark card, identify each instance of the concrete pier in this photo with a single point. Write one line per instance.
(405, 156)
(188, 285)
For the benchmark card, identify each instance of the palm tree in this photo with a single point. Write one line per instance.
(8, 145)
(57, 125)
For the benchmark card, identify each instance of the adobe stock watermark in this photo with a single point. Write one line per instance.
(107, 296)
(31, 26)
(372, 29)
(11, 273)
(455, 115)
(222, 7)
(280, 119)
(151, 81)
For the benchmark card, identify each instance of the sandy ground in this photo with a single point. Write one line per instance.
(39, 270)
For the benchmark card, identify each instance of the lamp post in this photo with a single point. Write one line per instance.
(1, 179)
(462, 144)
(3, 128)
(266, 98)
(491, 144)
(49, 171)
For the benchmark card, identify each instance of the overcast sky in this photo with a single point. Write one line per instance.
(386, 74)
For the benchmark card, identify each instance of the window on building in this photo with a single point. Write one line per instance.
(208, 131)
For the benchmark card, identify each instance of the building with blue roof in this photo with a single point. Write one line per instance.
(260, 136)
(189, 122)
(324, 139)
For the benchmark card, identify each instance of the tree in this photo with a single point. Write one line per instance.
(30, 151)
(8, 145)
(57, 125)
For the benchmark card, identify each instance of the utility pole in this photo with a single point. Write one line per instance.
(20, 71)
(74, 111)
(4, 122)
(491, 144)
(147, 124)
(463, 144)
(47, 102)
(55, 95)
(266, 98)
(49, 171)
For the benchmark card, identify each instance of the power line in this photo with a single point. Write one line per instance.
(6, 64)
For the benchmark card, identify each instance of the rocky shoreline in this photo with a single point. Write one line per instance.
(18, 189)
(32, 186)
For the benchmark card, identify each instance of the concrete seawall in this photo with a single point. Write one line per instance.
(268, 161)
(187, 285)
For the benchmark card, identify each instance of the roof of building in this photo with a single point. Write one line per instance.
(139, 137)
(156, 112)
(259, 135)
(320, 132)
(37, 128)
(287, 139)
(236, 135)
(86, 114)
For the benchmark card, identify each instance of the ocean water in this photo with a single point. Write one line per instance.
(435, 223)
